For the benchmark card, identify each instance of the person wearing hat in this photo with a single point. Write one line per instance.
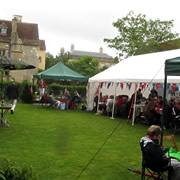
(12, 94)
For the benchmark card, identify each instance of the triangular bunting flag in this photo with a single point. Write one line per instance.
(158, 85)
(108, 85)
(121, 84)
(174, 87)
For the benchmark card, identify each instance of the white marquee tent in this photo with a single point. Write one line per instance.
(147, 68)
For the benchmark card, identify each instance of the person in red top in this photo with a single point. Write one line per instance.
(42, 87)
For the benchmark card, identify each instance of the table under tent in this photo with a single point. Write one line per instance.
(141, 71)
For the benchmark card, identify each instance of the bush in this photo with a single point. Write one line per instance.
(59, 89)
(10, 171)
(26, 94)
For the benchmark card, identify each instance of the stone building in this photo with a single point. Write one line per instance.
(20, 41)
(103, 58)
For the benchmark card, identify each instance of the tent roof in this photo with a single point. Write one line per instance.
(172, 67)
(142, 68)
(60, 72)
(13, 64)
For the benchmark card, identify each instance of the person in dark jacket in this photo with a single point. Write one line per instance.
(12, 94)
(154, 155)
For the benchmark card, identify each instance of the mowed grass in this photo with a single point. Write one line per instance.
(60, 144)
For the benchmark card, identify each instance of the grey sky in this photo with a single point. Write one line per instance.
(84, 23)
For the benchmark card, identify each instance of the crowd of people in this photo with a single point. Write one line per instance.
(68, 102)
(152, 107)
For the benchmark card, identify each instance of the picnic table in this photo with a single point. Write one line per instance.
(4, 109)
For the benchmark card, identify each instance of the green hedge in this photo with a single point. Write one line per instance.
(59, 89)
(56, 88)
(21, 87)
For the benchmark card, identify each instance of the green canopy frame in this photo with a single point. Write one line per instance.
(172, 68)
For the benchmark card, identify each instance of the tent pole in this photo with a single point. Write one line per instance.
(114, 101)
(134, 110)
(163, 118)
(88, 89)
(98, 100)
(132, 101)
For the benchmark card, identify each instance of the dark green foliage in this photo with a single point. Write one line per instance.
(50, 61)
(10, 171)
(59, 89)
(86, 66)
(63, 57)
(26, 94)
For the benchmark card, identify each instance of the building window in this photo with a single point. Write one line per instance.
(2, 52)
(3, 29)
(40, 59)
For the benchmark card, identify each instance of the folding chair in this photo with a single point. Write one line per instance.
(155, 174)
(171, 138)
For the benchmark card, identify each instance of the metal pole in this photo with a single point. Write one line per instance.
(164, 104)
(134, 110)
(98, 100)
(114, 101)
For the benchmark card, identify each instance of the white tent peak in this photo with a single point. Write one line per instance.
(141, 68)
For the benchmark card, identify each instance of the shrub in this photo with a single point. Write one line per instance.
(59, 89)
(10, 171)
(26, 94)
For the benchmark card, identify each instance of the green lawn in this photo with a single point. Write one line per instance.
(59, 144)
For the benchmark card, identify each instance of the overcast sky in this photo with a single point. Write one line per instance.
(85, 23)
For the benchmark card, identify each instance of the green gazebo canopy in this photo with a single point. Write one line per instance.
(60, 72)
(172, 68)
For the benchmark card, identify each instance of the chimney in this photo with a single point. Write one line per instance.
(18, 18)
(14, 25)
(101, 50)
(14, 33)
(72, 47)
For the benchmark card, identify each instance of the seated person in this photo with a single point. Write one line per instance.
(44, 98)
(154, 155)
(54, 102)
(150, 113)
(104, 98)
(153, 93)
(72, 102)
(176, 109)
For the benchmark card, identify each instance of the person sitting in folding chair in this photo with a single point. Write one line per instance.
(53, 101)
(154, 156)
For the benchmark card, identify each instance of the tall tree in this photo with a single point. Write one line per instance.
(63, 57)
(86, 66)
(138, 35)
(50, 61)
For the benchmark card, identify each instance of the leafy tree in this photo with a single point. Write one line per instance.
(50, 60)
(138, 35)
(116, 60)
(63, 57)
(86, 66)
